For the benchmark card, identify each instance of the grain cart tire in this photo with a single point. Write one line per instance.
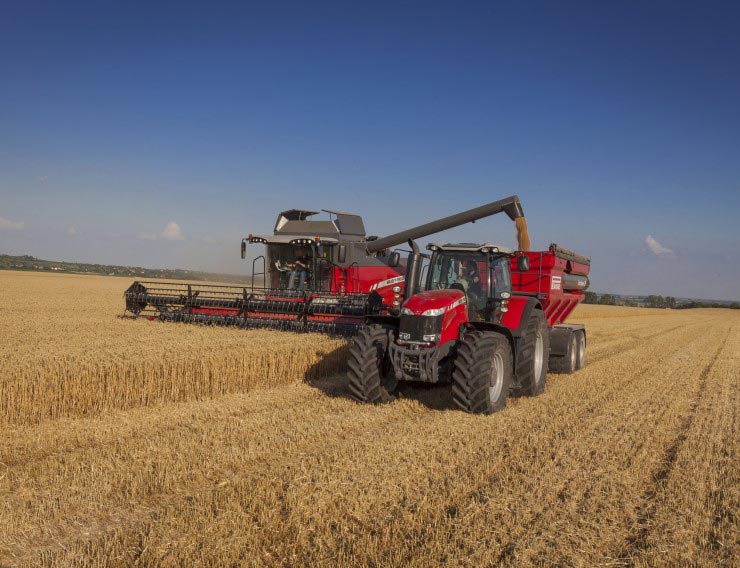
(483, 369)
(370, 373)
(567, 363)
(534, 349)
(581, 349)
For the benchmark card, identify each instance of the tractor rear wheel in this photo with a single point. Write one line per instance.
(370, 373)
(567, 363)
(483, 370)
(534, 350)
(581, 353)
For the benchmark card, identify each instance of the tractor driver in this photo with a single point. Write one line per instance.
(299, 270)
(470, 280)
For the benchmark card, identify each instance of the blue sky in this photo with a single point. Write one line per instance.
(613, 123)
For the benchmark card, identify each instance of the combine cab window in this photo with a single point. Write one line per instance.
(281, 260)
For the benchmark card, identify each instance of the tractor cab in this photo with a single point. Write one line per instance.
(481, 272)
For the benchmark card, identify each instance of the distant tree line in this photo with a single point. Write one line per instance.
(653, 301)
(699, 304)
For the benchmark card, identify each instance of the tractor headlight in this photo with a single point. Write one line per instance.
(406, 312)
(396, 289)
(433, 312)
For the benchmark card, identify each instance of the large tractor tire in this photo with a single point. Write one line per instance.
(534, 350)
(581, 349)
(567, 363)
(370, 373)
(483, 369)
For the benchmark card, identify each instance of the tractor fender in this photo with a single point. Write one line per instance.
(520, 308)
(490, 326)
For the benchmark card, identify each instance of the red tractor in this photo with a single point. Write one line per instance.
(486, 319)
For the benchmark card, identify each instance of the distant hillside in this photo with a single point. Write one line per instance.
(26, 262)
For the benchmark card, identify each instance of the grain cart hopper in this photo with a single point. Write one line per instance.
(487, 320)
(347, 275)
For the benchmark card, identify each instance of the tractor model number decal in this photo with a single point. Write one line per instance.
(456, 303)
(386, 283)
(555, 282)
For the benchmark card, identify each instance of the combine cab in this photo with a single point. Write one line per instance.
(315, 274)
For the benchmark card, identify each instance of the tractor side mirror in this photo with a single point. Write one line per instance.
(522, 262)
(395, 259)
(342, 254)
(244, 249)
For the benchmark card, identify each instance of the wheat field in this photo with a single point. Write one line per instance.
(142, 443)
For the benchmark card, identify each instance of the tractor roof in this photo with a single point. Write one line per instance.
(470, 247)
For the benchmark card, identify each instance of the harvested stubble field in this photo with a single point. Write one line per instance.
(165, 444)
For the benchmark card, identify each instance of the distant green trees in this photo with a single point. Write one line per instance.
(661, 302)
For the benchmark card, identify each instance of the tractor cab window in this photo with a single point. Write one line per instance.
(500, 277)
(463, 270)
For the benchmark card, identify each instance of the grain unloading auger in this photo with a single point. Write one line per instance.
(315, 275)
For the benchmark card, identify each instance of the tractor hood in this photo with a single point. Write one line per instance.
(445, 300)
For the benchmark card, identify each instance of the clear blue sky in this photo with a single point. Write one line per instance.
(612, 122)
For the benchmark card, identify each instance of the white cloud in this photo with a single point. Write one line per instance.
(73, 232)
(8, 225)
(656, 247)
(172, 232)
(43, 178)
(148, 237)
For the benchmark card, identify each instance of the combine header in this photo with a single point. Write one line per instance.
(315, 275)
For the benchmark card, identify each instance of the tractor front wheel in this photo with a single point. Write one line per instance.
(370, 373)
(482, 376)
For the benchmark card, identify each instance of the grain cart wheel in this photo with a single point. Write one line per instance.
(581, 349)
(534, 349)
(482, 375)
(370, 372)
(567, 363)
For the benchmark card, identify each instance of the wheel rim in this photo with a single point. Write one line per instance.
(573, 353)
(538, 355)
(497, 377)
(581, 351)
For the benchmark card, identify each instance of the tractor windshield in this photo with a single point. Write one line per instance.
(466, 269)
(469, 272)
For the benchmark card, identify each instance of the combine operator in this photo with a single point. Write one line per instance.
(299, 271)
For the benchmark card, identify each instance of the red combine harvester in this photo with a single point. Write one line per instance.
(486, 319)
(315, 275)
